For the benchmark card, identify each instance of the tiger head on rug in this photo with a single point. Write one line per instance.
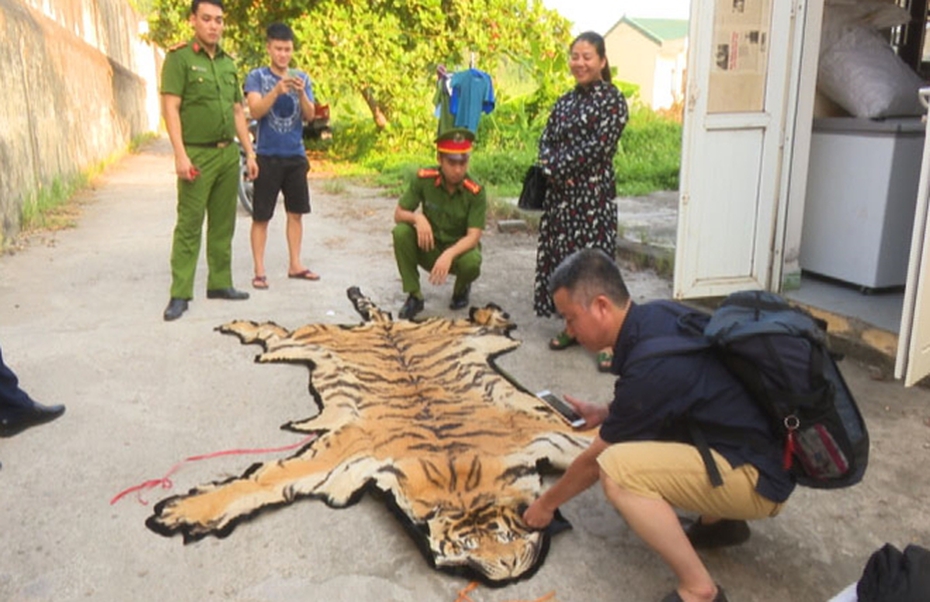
(418, 411)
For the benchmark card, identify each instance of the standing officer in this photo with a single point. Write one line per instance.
(202, 106)
(444, 236)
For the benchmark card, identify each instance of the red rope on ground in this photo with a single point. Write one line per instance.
(165, 481)
(463, 595)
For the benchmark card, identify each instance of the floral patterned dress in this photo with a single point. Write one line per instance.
(576, 151)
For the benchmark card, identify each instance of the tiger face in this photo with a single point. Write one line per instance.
(491, 540)
(417, 410)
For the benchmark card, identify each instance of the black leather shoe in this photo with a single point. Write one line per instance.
(18, 420)
(720, 534)
(412, 306)
(460, 301)
(229, 294)
(175, 308)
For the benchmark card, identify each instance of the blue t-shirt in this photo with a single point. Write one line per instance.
(472, 94)
(653, 397)
(280, 131)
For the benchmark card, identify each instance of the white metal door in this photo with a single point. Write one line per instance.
(742, 70)
(913, 359)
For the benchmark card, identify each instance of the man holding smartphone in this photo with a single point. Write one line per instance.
(644, 454)
(281, 99)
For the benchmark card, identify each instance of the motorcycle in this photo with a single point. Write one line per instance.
(246, 186)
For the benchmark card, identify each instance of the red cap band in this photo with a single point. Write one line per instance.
(452, 146)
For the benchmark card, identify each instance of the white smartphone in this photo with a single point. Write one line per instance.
(564, 410)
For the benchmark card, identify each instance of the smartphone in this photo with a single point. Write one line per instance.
(564, 410)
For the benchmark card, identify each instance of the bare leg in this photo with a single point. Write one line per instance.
(656, 523)
(258, 237)
(295, 234)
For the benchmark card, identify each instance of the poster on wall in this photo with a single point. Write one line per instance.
(741, 36)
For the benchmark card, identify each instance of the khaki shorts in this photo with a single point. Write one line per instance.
(676, 473)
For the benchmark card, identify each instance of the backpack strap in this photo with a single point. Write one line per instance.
(679, 345)
(697, 437)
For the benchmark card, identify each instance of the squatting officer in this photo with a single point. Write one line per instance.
(202, 106)
(443, 237)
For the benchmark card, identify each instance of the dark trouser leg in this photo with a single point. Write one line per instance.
(11, 396)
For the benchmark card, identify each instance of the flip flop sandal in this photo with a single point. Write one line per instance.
(605, 360)
(562, 341)
(260, 282)
(305, 275)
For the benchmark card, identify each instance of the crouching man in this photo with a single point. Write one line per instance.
(443, 237)
(645, 454)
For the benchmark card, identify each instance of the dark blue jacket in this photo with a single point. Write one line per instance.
(656, 397)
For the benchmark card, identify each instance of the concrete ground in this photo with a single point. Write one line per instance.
(80, 322)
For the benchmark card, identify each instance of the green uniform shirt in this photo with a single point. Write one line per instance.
(208, 89)
(451, 215)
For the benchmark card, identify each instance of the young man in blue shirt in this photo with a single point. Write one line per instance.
(281, 99)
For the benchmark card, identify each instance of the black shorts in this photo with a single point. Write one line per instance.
(281, 174)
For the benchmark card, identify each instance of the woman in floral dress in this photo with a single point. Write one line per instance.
(576, 153)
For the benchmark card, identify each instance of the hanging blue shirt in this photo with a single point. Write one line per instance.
(280, 131)
(472, 94)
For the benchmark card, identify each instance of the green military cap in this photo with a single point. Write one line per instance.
(455, 144)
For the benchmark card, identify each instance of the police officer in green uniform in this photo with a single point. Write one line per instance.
(202, 106)
(443, 237)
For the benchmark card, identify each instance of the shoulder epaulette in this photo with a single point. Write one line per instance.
(471, 186)
(177, 46)
(428, 173)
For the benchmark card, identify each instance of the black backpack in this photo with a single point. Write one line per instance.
(779, 353)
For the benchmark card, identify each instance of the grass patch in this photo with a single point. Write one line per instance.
(51, 206)
(47, 207)
(335, 186)
(137, 142)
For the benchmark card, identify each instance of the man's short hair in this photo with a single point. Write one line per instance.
(587, 273)
(279, 32)
(195, 4)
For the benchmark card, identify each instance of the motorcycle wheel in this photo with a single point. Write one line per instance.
(246, 186)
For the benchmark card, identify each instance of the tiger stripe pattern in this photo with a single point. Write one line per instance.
(418, 410)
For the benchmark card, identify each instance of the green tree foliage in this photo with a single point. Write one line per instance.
(386, 52)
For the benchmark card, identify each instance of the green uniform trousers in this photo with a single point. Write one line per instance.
(212, 193)
(466, 267)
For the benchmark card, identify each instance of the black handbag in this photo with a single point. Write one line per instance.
(534, 189)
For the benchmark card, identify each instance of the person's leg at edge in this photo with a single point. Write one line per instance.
(657, 524)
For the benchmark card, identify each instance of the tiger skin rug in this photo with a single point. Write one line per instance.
(416, 412)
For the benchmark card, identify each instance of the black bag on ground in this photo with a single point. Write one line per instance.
(779, 353)
(893, 576)
(534, 189)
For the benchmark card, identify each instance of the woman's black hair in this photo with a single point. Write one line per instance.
(596, 40)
